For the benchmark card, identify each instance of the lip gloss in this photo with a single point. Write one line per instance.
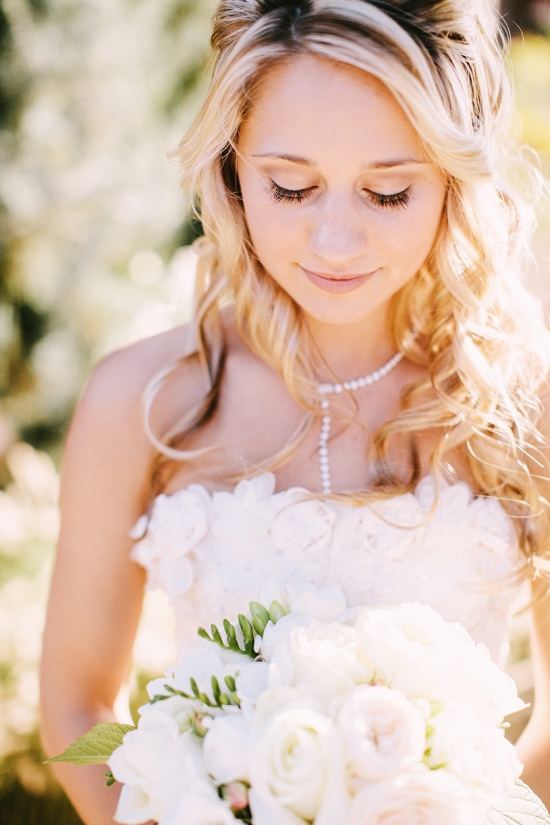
(336, 285)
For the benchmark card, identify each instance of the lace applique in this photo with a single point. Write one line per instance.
(213, 553)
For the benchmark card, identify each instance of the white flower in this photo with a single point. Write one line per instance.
(267, 811)
(413, 649)
(278, 635)
(303, 525)
(329, 658)
(153, 763)
(242, 518)
(384, 733)
(492, 693)
(251, 680)
(293, 757)
(200, 809)
(180, 709)
(475, 751)
(224, 749)
(201, 663)
(198, 802)
(324, 605)
(423, 798)
(178, 522)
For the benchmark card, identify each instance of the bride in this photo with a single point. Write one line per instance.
(356, 401)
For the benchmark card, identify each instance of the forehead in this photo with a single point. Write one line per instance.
(316, 104)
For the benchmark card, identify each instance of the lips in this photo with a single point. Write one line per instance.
(336, 284)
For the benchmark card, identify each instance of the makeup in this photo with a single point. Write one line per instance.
(336, 285)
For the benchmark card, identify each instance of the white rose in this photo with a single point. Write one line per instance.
(423, 798)
(201, 663)
(252, 680)
(491, 692)
(198, 802)
(276, 635)
(384, 734)
(289, 758)
(151, 763)
(181, 709)
(330, 658)
(476, 752)
(267, 811)
(413, 649)
(200, 809)
(225, 749)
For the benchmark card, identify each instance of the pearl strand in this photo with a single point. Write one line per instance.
(326, 421)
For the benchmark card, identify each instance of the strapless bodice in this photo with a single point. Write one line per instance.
(213, 553)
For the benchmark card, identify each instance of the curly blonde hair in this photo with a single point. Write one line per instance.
(465, 316)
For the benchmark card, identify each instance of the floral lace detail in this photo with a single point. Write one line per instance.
(213, 553)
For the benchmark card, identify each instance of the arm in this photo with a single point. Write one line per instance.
(534, 744)
(96, 592)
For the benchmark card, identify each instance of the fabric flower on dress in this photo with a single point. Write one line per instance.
(253, 540)
(178, 523)
(302, 526)
(242, 517)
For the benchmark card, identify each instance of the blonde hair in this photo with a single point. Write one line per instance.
(465, 316)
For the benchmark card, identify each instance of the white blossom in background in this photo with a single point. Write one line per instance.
(92, 198)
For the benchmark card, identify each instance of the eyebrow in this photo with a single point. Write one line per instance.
(381, 164)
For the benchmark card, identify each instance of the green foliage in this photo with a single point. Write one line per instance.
(96, 746)
(260, 618)
(521, 807)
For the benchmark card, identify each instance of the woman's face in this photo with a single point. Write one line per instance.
(341, 203)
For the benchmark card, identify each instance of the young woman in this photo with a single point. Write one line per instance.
(364, 361)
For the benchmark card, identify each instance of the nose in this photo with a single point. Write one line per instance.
(338, 236)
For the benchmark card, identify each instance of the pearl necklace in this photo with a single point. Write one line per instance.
(327, 389)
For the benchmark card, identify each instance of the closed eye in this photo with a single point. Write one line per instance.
(398, 200)
(282, 195)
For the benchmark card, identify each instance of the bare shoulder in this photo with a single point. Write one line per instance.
(121, 377)
(108, 426)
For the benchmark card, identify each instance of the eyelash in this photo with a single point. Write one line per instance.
(399, 200)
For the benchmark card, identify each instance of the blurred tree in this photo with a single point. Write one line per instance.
(523, 16)
(90, 95)
(21, 325)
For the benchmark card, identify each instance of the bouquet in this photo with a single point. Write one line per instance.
(309, 712)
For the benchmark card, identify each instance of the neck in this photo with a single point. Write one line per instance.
(349, 351)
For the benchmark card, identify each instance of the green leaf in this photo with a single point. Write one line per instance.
(521, 807)
(260, 617)
(96, 746)
(276, 611)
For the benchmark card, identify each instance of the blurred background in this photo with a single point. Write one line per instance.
(94, 253)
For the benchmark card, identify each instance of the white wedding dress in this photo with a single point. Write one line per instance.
(213, 553)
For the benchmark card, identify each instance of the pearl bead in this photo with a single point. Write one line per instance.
(326, 389)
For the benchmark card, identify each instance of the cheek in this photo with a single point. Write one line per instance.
(409, 242)
(274, 231)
